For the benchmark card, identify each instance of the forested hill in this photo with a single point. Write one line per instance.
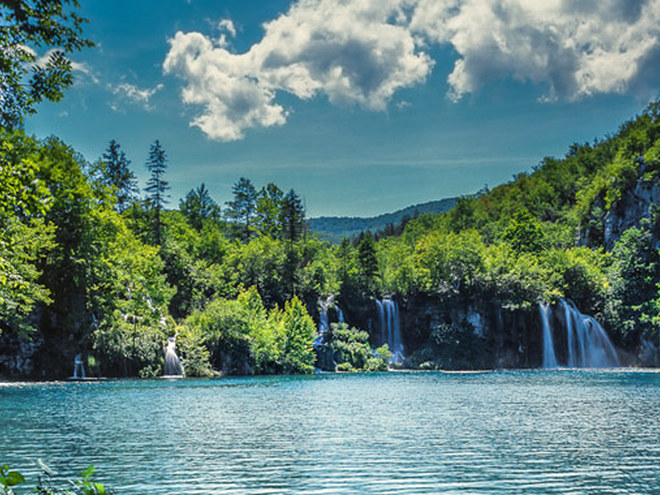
(334, 229)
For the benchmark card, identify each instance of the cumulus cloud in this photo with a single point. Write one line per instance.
(575, 49)
(350, 52)
(363, 52)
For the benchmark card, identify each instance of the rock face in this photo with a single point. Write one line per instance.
(636, 203)
(17, 355)
(487, 336)
(630, 210)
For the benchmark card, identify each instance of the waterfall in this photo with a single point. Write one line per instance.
(78, 368)
(324, 322)
(173, 366)
(381, 320)
(549, 357)
(340, 315)
(390, 328)
(587, 343)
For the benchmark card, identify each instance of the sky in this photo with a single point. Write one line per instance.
(362, 106)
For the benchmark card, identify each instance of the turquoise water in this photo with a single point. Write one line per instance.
(506, 432)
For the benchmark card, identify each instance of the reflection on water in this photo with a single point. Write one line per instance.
(510, 432)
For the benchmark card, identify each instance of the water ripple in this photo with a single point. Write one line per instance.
(557, 432)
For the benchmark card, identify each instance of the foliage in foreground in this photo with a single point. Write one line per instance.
(83, 485)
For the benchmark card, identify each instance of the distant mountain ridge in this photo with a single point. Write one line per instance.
(334, 229)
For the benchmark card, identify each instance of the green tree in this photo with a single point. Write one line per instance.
(199, 206)
(157, 187)
(367, 259)
(269, 205)
(25, 237)
(114, 171)
(299, 332)
(242, 209)
(292, 217)
(26, 26)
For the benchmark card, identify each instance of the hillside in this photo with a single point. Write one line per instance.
(334, 229)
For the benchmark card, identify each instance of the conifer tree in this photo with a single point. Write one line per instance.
(157, 187)
(292, 217)
(198, 206)
(242, 209)
(115, 172)
(367, 258)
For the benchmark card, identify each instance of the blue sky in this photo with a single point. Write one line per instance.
(361, 107)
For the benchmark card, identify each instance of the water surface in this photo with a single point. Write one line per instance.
(497, 433)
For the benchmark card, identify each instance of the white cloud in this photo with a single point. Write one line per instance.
(361, 52)
(350, 52)
(576, 49)
(134, 94)
(227, 25)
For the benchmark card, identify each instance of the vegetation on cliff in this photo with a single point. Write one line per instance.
(89, 267)
(87, 270)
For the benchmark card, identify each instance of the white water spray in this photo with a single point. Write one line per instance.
(587, 343)
(173, 366)
(390, 328)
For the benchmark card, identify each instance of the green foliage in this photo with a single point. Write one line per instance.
(242, 209)
(351, 350)
(84, 485)
(268, 209)
(113, 171)
(292, 217)
(157, 186)
(244, 337)
(26, 26)
(97, 276)
(298, 334)
(198, 207)
(368, 260)
(633, 309)
(447, 262)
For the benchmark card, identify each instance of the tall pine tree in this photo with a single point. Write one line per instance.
(198, 206)
(292, 217)
(157, 187)
(115, 172)
(243, 208)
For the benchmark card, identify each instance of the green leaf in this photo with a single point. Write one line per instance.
(88, 472)
(14, 478)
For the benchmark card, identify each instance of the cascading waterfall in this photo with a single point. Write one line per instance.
(173, 366)
(587, 343)
(381, 321)
(549, 357)
(390, 328)
(324, 322)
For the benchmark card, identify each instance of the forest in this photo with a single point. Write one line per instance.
(92, 264)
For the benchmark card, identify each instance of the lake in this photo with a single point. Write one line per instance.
(420, 432)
